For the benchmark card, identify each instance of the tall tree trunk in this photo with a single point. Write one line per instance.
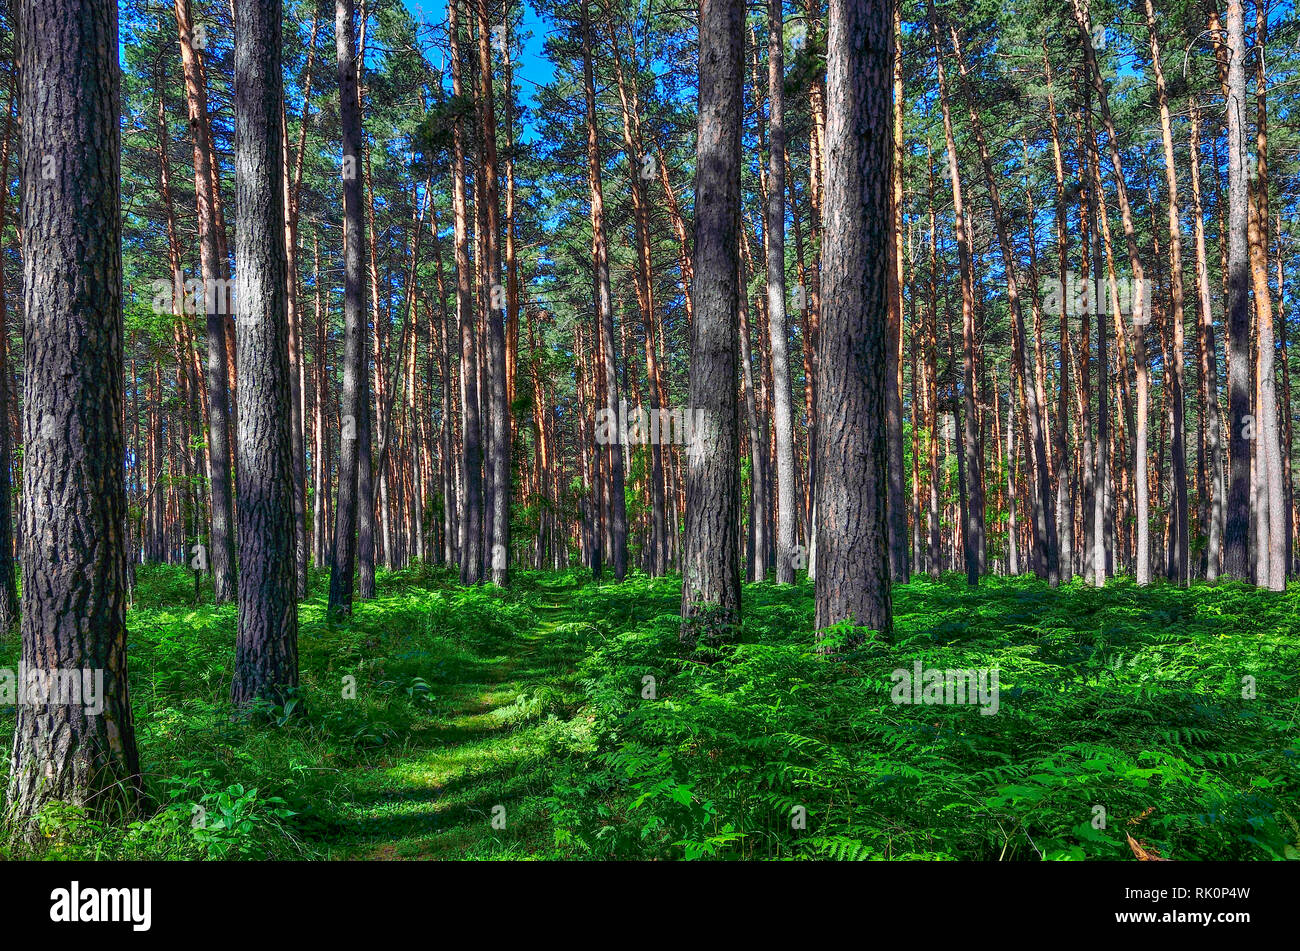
(782, 406)
(853, 577)
(1236, 555)
(365, 416)
(266, 651)
(1178, 476)
(355, 384)
(9, 613)
(1270, 431)
(1064, 492)
(896, 468)
(471, 522)
(932, 376)
(320, 457)
(973, 494)
(500, 419)
(640, 163)
(711, 564)
(74, 501)
(614, 501)
(221, 543)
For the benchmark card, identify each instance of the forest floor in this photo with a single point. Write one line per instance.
(563, 719)
(435, 798)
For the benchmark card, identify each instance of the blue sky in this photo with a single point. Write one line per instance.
(531, 67)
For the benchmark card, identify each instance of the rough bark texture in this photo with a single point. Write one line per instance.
(1236, 560)
(266, 651)
(354, 329)
(711, 586)
(852, 535)
(9, 615)
(74, 498)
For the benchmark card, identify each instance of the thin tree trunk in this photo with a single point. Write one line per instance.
(1236, 555)
(1064, 493)
(782, 406)
(1044, 516)
(471, 522)
(1138, 295)
(221, 543)
(499, 443)
(898, 566)
(355, 386)
(973, 494)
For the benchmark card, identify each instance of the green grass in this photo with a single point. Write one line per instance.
(444, 722)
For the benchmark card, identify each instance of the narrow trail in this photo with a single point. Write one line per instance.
(462, 788)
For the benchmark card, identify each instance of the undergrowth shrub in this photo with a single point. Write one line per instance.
(1119, 703)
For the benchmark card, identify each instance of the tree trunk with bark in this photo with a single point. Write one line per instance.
(355, 385)
(266, 650)
(711, 563)
(74, 500)
(853, 577)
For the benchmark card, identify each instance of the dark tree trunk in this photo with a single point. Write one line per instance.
(897, 469)
(296, 377)
(853, 577)
(711, 564)
(1236, 548)
(471, 522)
(266, 652)
(354, 321)
(9, 615)
(74, 499)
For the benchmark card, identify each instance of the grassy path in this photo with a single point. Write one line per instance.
(465, 787)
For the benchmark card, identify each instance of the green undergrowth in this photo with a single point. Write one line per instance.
(563, 719)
